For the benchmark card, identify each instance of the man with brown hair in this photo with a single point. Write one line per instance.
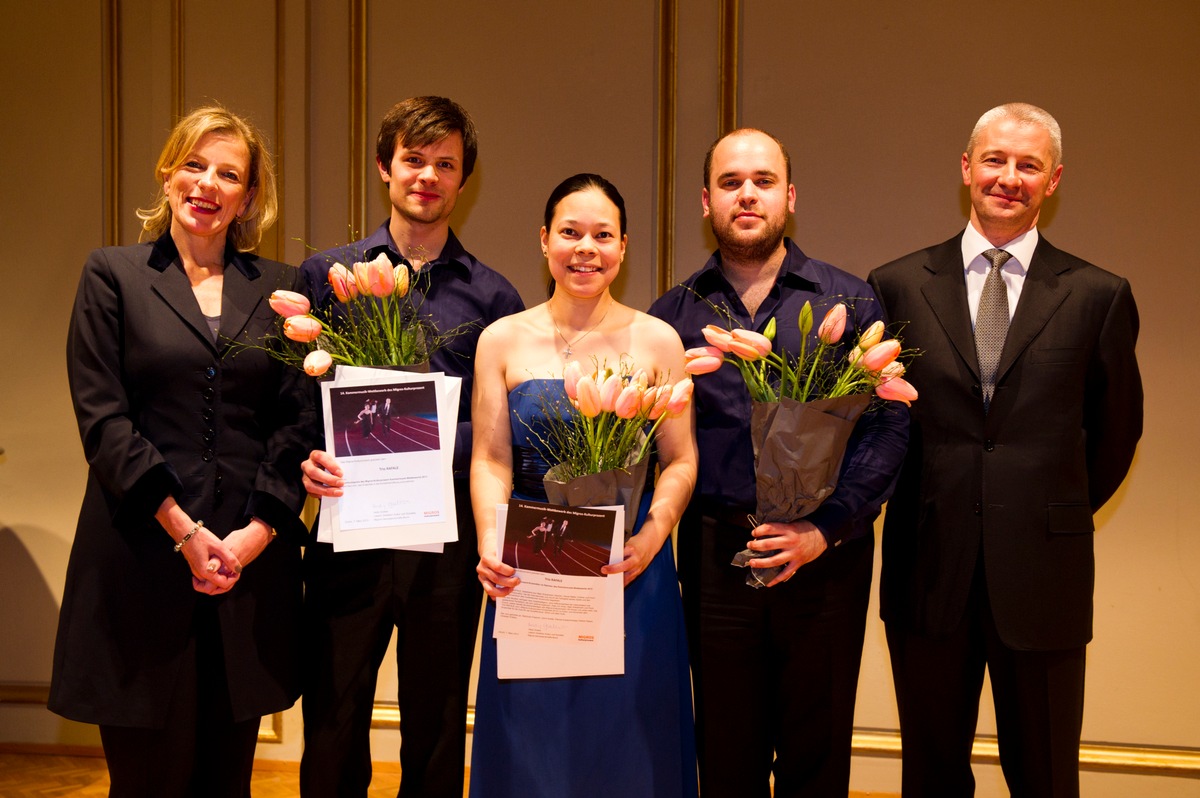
(425, 151)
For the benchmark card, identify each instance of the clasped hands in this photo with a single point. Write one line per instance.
(216, 564)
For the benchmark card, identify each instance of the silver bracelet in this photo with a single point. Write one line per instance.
(199, 525)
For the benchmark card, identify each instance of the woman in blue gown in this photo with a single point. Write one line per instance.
(628, 735)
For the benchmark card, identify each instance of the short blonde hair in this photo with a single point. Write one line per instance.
(246, 231)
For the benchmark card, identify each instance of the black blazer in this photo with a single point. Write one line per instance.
(162, 410)
(1019, 486)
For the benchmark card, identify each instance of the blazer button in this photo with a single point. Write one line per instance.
(208, 414)
(978, 508)
(207, 456)
(976, 391)
(210, 372)
(208, 394)
(989, 446)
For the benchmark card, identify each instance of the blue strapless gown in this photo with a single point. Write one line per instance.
(630, 736)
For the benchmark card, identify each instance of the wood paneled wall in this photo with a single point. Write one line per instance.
(874, 100)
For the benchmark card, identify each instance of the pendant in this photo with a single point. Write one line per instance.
(566, 353)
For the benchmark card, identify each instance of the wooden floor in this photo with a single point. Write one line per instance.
(28, 775)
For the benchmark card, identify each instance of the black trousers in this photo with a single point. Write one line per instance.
(775, 670)
(201, 751)
(353, 602)
(1038, 697)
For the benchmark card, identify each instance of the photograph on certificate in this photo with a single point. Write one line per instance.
(384, 419)
(568, 541)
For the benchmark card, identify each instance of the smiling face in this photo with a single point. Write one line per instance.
(583, 245)
(748, 198)
(424, 182)
(1010, 172)
(208, 190)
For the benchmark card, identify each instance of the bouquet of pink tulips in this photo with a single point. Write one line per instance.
(377, 323)
(599, 441)
(870, 365)
(804, 409)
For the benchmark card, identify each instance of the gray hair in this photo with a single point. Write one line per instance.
(1025, 114)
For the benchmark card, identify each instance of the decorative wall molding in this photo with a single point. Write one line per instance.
(668, 57)
(110, 101)
(358, 114)
(729, 33)
(37, 695)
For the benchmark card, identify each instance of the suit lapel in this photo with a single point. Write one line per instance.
(171, 284)
(1041, 295)
(946, 293)
(241, 296)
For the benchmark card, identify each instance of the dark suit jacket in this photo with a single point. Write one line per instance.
(163, 410)
(1019, 486)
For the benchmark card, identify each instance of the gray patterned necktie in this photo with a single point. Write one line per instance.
(991, 323)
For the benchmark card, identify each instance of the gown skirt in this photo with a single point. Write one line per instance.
(603, 736)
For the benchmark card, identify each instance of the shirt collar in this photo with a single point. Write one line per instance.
(1021, 248)
(797, 270)
(453, 258)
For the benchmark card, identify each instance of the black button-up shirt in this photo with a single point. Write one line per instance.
(726, 478)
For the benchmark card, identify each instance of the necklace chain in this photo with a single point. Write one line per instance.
(566, 353)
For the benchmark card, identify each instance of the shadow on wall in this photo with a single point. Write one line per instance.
(28, 609)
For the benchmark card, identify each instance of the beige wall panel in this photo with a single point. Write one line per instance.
(696, 128)
(328, 200)
(52, 170)
(145, 103)
(875, 102)
(554, 88)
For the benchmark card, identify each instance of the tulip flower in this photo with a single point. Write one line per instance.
(342, 281)
(400, 274)
(717, 337)
(571, 375)
(760, 342)
(892, 370)
(302, 329)
(317, 362)
(743, 350)
(769, 330)
(649, 396)
(588, 396)
(703, 365)
(703, 360)
(896, 389)
(872, 336)
(660, 402)
(289, 303)
(376, 277)
(680, 394)
(629, 401)
(833, 325)
(609, 389)
(877, 357)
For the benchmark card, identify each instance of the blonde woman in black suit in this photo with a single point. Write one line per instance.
(179, 621)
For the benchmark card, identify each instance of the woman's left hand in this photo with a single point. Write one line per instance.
(639, 551)
(249, 541)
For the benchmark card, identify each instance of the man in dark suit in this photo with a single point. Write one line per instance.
(1030, 411)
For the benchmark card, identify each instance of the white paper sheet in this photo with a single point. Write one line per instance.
(400, 494)
(566, 624)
